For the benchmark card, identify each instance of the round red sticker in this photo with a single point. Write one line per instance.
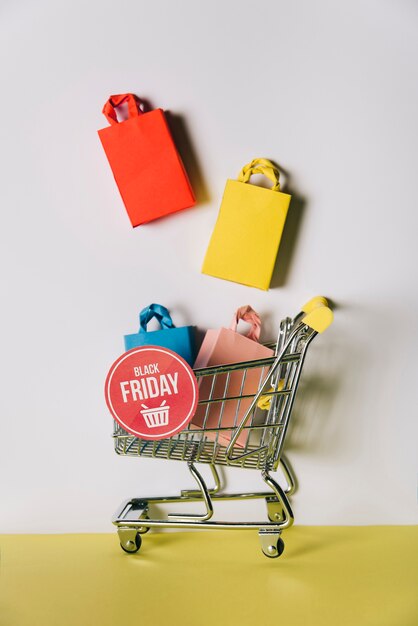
(151, 392)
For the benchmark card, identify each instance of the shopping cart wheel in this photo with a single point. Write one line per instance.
(274, 551)
(272, 545)
(130, 543)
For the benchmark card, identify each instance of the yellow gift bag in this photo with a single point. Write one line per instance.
(246, 238)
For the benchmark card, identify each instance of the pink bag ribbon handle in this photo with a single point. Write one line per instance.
(247, 314)
(114, 101)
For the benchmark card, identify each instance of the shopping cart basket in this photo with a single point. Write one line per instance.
(255, 439)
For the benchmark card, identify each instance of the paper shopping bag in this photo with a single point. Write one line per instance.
(220, 347)
(245, 241)
(146, 165)
(180, 340)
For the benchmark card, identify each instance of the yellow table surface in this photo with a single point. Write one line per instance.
(327, 575)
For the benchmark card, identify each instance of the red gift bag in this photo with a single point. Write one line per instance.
(146, 165)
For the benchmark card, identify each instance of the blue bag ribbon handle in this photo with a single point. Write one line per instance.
(159, 312)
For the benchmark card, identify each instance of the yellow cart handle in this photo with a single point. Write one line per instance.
(318, 314)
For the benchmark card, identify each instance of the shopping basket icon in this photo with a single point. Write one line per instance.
(255, 440)
(157, 416)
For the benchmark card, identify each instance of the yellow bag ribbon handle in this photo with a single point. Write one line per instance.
(261, 166)
(264, 401)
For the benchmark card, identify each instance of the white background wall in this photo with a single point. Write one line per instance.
(327, 89)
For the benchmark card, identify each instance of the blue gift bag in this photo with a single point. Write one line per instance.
(180, 340)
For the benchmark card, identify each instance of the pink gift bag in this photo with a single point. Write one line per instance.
(221, 347)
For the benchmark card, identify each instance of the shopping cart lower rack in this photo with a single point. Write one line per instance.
(256, 440)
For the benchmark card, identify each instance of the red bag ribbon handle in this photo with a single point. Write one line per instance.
(247, 314)
(132, 101)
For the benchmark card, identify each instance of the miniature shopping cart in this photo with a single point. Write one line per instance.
(255, 440)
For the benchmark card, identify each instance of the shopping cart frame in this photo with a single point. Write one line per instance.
(279, 381)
